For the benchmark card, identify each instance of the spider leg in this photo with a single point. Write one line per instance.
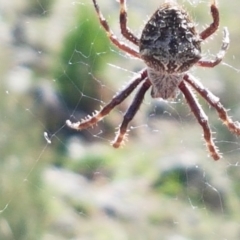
(202, 119)
(212, 28)
(234, 127)
(126, 32)
(130, 113)
(219, 57)
(97, 116)
(111, 35)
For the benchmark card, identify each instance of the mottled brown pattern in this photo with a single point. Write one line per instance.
(169, 46)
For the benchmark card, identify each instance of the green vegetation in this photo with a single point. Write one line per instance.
(82, 55)
(161, 185)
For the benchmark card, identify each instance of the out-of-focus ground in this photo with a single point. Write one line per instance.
(56, 64)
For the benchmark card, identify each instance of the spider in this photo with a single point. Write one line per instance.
(169, 46)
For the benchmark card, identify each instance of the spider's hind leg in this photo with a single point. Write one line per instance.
(128, 116)
(202, 119)
(234, 127)
(97, 116)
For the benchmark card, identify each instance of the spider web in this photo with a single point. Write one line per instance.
(61, 184)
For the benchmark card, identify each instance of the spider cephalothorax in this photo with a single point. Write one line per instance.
(169, 46)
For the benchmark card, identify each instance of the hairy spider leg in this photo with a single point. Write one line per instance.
(214, 101)
(130, 113)
(126, 32)
(220, 55)
(201, 117)
(212, 28)
(111, 35)
(117, 99)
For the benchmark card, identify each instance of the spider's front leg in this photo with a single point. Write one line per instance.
(212, 28)
(89, 121)
(220, 55)
(126, 32)
(124, 47)
(202, 119)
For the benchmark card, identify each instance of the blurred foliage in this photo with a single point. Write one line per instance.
(83, 54)
(89, 165)
(171, 183)
(131, 193)
(24, 207)
(40, 8)
(189, 183)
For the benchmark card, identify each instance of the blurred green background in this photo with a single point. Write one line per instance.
(55, 183)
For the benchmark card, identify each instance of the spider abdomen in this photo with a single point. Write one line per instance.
(169, 42)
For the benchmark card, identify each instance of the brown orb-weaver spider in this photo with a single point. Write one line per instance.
(169, 46)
